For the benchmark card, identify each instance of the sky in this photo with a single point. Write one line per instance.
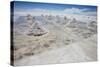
(21, 7)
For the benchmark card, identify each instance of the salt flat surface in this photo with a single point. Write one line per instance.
(68, 40)
(81, 51)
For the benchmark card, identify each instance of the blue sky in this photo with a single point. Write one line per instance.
(56, 8)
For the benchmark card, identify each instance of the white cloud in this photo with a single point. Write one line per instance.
(38, 11)
(74, 10)
(79, 11)
(31, 11)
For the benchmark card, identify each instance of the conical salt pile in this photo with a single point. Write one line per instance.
(34, 27)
